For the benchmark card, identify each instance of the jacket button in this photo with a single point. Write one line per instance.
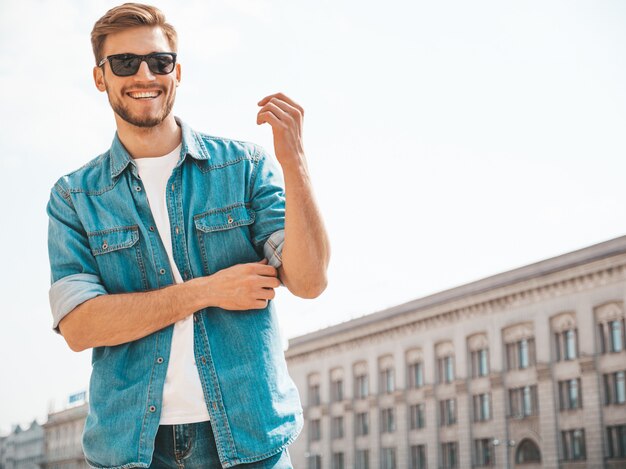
(138, 188)
(162, 271)
(152, 408)
(230, 219)
(151, 228)
(105, 245)
(203, 361)
(160, 360)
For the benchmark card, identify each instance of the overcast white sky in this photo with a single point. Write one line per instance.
(448, 141)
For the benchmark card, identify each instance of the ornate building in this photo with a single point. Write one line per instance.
(522, 369)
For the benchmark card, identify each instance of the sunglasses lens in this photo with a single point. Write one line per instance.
(161, 64)
(125, 66)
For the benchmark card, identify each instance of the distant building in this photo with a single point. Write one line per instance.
(63, 438)
(22, 449)
(522, 369)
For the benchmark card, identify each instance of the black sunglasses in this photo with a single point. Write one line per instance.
(125, 65)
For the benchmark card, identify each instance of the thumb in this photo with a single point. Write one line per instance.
(263, 261)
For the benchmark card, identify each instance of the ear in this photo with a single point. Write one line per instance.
(178, 74)
(98, 78)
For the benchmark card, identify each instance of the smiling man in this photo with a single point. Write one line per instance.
(165, 252)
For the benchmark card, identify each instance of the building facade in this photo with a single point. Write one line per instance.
(63, 438)
(22, 449)
(522, 369)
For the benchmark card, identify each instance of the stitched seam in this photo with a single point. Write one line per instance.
(145, 414)
(218, 393)
(256, 160)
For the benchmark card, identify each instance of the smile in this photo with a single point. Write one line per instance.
(143, 94)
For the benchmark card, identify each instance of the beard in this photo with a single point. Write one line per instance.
(145, 120)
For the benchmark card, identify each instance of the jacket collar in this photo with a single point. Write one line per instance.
(192, 145)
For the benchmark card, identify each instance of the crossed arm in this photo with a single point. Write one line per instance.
(113, 319)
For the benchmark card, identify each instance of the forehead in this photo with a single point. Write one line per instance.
(138, 40)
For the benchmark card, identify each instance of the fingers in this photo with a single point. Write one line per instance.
(284, 111)
(282, 97)
(270, 118)
(266, 294)
(260, 304)
(263, 269)
(269, 282)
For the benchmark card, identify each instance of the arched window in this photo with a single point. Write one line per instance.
(527, 451)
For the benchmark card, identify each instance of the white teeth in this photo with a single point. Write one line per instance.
(149, 94)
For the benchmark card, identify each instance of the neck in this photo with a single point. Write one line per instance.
(146, 142)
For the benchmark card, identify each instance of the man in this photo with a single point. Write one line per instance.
(165, 252)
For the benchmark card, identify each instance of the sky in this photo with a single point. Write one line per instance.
(447, 142)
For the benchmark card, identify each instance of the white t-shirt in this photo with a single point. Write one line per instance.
(183, 399)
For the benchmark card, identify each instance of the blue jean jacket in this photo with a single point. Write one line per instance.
(226, 206)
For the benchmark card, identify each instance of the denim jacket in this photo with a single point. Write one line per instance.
(226, 206)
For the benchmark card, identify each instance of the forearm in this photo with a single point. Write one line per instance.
(306, 250)
(120, 318)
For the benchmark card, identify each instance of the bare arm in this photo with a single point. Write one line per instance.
(116, 319)
(306, 250)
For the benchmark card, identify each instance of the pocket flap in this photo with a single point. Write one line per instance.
(110, 240)
(224, 218)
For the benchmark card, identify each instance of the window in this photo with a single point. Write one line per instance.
(611, 335)
(416, 375)
(336, 427)
(445, 369)
(314, 394)
(615, 328)
(337, 461)
(573, 445)
(315, 461)
(362, 459)
(388, 457)
(417, 416)
(480, 363)
(447, 412)
(315, 430)
(336, 390)
(483, 452)
(527, 452)
(418, 457)
(449, 455)
(520, 354)
(482, 407)
(570, 396)
(616, 441)
(362, 423)
(523, 402)
(361, 387)
(388, 421)
(387, 384)
(566, 344)
(614, 388)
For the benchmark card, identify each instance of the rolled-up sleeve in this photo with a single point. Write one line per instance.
(73, 269)
(267, 199)
(273, 248)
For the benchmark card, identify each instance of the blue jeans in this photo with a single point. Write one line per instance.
(192, 446)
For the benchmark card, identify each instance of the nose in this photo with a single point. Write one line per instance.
(144, 73)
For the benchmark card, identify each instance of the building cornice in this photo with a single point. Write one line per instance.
(581, 270)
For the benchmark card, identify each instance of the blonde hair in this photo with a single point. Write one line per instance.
(129, 15)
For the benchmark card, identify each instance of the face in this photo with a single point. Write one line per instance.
(144, 99)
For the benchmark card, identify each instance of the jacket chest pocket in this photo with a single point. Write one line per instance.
(118, 254)
(224, 237)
